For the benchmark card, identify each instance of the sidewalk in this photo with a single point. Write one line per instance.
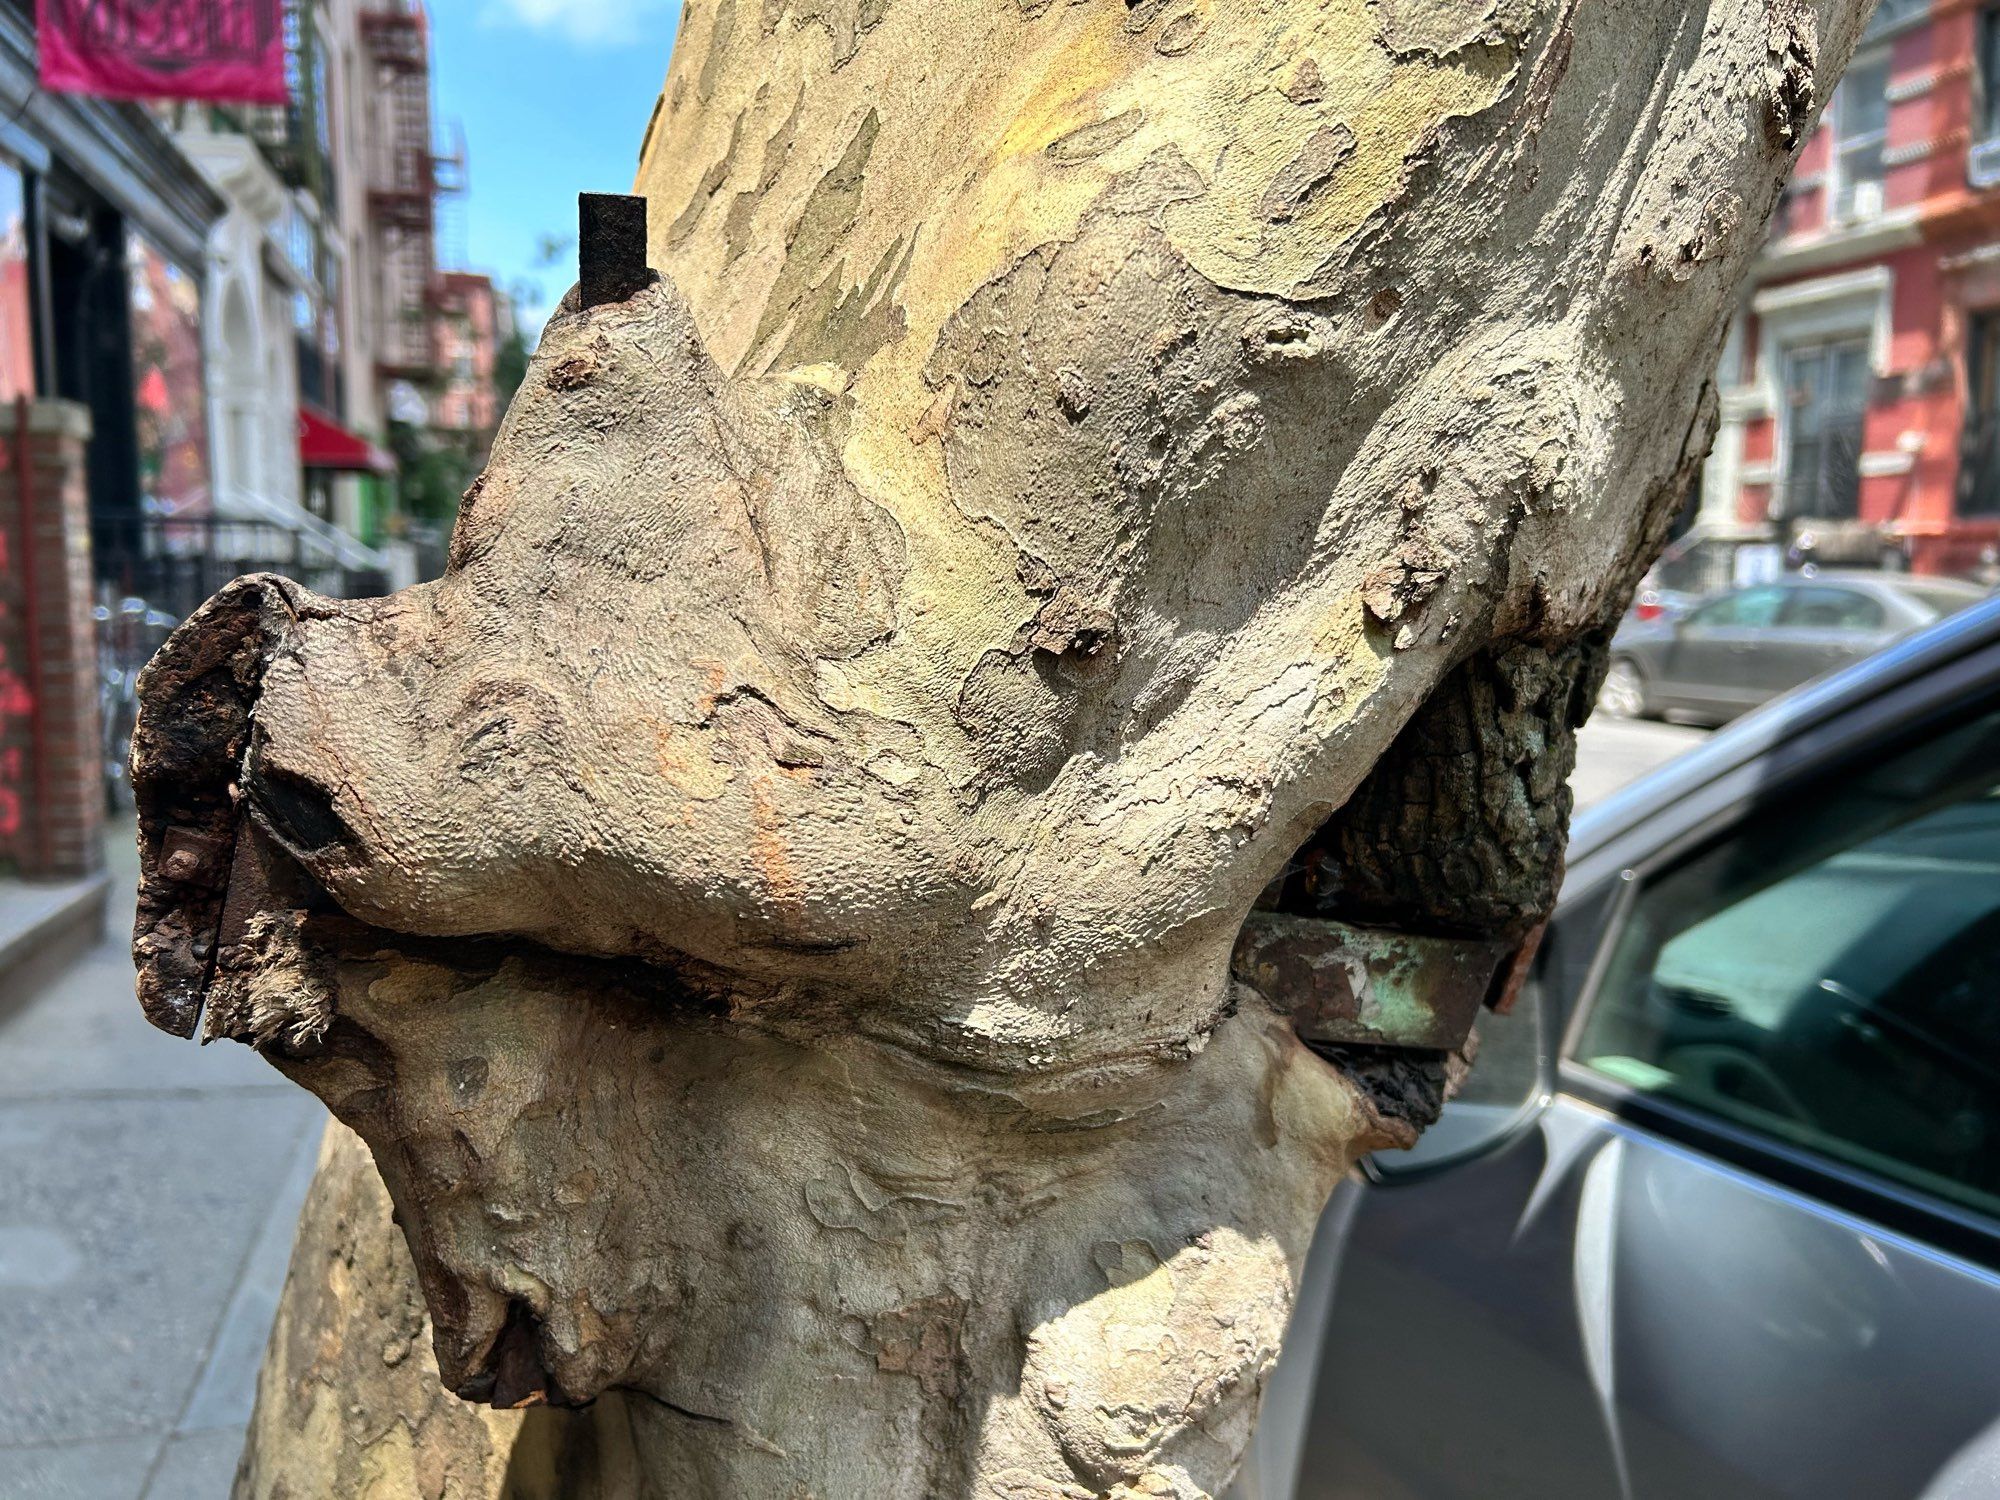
(148, 1190)
(41, 922)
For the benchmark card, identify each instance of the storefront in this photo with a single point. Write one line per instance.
(17, 323)
(103, 223)
(170, 399)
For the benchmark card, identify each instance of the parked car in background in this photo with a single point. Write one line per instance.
(1718, 1214)
(1719, 658)
(1655, 603)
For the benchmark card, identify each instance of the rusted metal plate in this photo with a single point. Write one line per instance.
(1367, 985)
(1507, 987)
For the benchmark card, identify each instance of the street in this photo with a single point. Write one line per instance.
(152, 1190)
(1614, 752)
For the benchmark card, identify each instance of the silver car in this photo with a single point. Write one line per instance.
(1720, 1213)
(1739, 649)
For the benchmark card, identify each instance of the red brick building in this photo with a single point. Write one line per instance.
(471, 322)
(1861, 382)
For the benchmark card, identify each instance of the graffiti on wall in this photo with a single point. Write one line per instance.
(17, 710)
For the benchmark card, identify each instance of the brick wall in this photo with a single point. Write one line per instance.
(51, 771)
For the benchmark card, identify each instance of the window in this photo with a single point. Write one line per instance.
(1979, 462)
(1820, 607)
(1826, 401)
(1755, 609)
(318, 496)
(1942, 596)
(1791, 215)
(17, 324)
(1829, 974)
(168, 404)
(1860, 124)
(1987, 124)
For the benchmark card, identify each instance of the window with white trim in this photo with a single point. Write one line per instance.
(1988, 60)
(1826, 403)
(1858, 118)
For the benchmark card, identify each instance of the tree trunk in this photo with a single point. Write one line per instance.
(769, 909)
(349, 1401)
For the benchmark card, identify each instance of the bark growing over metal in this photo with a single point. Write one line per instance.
(768, 909)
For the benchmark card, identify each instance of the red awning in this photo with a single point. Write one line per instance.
(325, 444)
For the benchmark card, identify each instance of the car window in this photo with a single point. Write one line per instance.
(1753, 607)
(1829, 973)
(1822, 607)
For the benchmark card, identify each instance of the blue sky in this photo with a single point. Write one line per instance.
(553, 96)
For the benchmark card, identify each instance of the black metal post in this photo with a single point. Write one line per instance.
(610, 247)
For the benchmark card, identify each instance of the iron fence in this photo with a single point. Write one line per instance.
(153, 572)
(174, 564)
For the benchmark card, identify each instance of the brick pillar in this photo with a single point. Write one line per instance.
(51, 755)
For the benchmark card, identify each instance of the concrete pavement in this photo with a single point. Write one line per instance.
(148, 1192)
(45, 925)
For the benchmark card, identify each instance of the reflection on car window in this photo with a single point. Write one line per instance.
(1819, 607)
(1507, 1079)
(1752, 607)
(1508, 1070)
(1830, 973)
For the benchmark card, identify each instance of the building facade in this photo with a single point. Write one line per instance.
(349, 257)
(1860, 387)
(473, 319)
(211, 320)
(104, 228)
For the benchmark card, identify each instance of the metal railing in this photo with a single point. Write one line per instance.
(174, 564)
(153, 572)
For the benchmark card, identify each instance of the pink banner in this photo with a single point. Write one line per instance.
(226, 51)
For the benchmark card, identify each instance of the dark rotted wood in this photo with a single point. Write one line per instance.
(1458, 833)
(1460, 830)
(611, 247)
(187, 748)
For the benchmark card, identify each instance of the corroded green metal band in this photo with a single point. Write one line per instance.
(1368, 985)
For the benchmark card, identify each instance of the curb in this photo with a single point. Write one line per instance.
(42, 927)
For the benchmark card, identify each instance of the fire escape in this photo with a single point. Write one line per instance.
(402, 191)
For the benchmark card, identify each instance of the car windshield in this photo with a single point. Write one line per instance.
(1754, 607)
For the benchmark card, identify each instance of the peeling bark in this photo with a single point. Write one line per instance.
(768, 909)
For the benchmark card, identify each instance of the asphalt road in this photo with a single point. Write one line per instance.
(148, 1189)
(1612, 752)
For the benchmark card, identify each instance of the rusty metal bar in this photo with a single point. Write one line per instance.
(1370, 986)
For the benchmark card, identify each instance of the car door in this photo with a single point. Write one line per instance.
(1748, 1249)
(1715, 664)
(1822, 627)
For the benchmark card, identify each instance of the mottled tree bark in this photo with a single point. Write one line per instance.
(768, 910)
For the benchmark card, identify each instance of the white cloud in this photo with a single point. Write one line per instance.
(585, 23)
